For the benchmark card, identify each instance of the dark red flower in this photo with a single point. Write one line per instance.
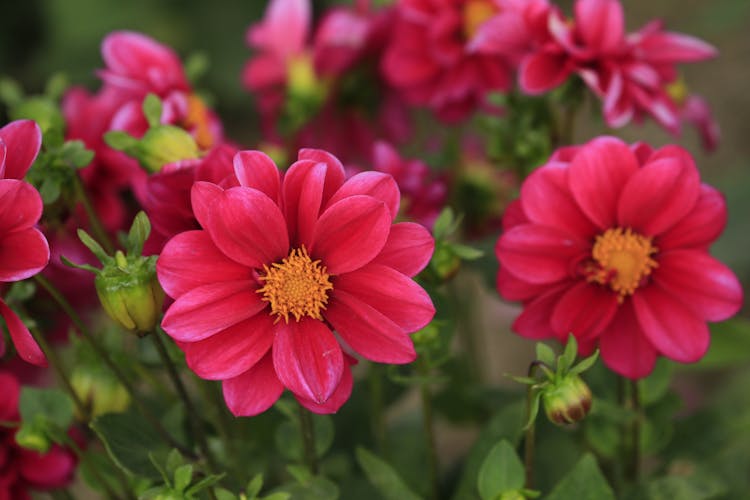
(611, 243)
(279, 266)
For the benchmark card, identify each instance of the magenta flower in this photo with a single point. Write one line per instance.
(282, 264)
(610, 243)
(23, 249)
(429, 58)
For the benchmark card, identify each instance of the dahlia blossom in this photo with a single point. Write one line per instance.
(23, 249)
(610, 243)
(22, 470)
(279, 265)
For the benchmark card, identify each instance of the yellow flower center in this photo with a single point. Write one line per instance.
(622, 259)
(475, 13)
(678, 91)
(298, 286)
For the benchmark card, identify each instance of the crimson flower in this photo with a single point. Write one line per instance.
(281, 264)
(611, 243)
(22, 470)
(23, 249)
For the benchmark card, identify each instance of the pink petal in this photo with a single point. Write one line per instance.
(337, 399)
(539, 254)
(26, 346)
(53, 469)
(709, 288)
(535, 320)
(585, 310)
(619, 107)
(264, 71)
(350, 233)
(11, 394)
(22, 254)
(254, 391)
(20, 205)
(303, 199)
(670, 48)
(547, 200)
(408, 249)
(190, 260)
(257, 170)
(368, 331)
(512, 288)
(396, 296)
(248, 227)
(376, 184)
(624, 347)
(673, 329)
(702, 226)
(658, 196)
(233, 351)
(208, 309)
(22, 139)
(597, 176)
(543, 71)
(285, 27)
(335, 174)
(203, 197)
(308, 359)
(600, 23)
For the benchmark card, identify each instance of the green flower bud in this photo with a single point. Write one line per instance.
(444, 263)
(511, 495)
(130, 292)
(32, 438)
(166, 144)
(566, 401)
(99, 391)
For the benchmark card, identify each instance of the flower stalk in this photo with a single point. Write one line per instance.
(307, 430)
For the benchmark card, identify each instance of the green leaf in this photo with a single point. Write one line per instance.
(139, 231)
(443, 224)
(383, 477)
(10, 92)
(730, 345)
(95, 247)
(196, 65)
(698, 486)
(173, 462)
(545, 354)
(203, 484)
(75, 153)
(152, 109)
(655, 386)
(183, 476)
(466, 252)
(309, 487)
(121, 141)
(289, 438)
(85, 267)
(501, 471)
(254, 486)
(128, 440)
(584, 482)
(49, 190)
(52, 405)
(585, 364)
(568, 357)
(533, 410)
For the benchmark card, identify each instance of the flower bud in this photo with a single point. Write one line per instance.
(567, 400)
(444, 263)
(99, 391)
(166, 144)
(130, 292)
(33, 438)
(512, 495)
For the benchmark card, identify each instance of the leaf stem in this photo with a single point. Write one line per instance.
(529, 444)
(308, 438)
(104, 355)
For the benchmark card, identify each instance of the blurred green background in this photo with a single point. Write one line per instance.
(42, 37)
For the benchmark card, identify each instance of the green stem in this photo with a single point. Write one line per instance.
(429, 429)
(529, 445)
(466, 330)
(375, 378)
(193, 417)
(78, 452)
(93, 218)
(308, 438)
(104, 355)
(635, 433)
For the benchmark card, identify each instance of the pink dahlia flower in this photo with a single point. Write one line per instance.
(282, 264)
(429, 58)
(610, 243)
(23, 470)
(23, 248)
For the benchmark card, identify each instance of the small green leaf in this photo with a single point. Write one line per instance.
(501, 471)
(52, 405)
(174, 461)
(568, 357)
(524, 380)
(381, 475)
(138, 233)
(196, 65)
(95, 247)
(584, 482)
(121, 141)
(698, 486)
(254, 486)
(49, 190)
(72, 264)
(279, 495)
(75, 153)
(56, 86)
(585, 364)
(545, 354)
(183, 476)
(466, 252)
(152, 109)
(533, 410)
(203, 484)
(10, 92)
(443, 224)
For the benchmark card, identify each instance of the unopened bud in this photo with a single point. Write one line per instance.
(567, 401)
(99, 392)
(130, 292)
(166, 144)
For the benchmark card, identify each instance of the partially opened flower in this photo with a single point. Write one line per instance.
(611, 243)
(279, 266)
(23, 249)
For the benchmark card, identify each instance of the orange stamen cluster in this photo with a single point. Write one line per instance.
(475, 13)
(298, 286)
(622, 260)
